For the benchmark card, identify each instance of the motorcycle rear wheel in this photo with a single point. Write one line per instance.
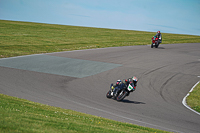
(108, 95)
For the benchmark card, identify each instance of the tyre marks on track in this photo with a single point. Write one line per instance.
(164, 84)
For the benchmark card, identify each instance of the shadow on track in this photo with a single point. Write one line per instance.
(135, 102)
(160, 48)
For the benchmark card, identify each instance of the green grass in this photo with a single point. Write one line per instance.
(25, 38)
(193, 100)
(19, 115)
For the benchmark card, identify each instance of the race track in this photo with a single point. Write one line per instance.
(79, 80)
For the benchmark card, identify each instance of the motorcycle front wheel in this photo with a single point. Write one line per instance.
(122, 95)
(108, 95)
(152, 45)
(156, 45)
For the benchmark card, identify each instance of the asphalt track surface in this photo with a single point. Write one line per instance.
(79, 80)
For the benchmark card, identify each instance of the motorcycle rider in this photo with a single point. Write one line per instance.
(125, 83)
(119, 82)
(159, 36)
(132, 80)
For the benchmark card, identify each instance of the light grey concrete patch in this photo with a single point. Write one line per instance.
(58, 65)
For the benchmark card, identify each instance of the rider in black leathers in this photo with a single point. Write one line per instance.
(125, 83)
(159, 36)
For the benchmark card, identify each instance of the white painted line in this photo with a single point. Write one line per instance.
(184, 99)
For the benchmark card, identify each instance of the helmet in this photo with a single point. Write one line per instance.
(118, 81)
(134, 79)
(158, 31)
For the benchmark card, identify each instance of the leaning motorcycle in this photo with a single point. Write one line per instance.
(120, 92)
(154, 42)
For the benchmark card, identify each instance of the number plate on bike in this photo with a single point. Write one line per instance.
(130, 87)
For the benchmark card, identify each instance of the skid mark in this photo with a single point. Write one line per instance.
(164, 84)
(154, 70)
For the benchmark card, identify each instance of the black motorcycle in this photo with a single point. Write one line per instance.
(120, 91)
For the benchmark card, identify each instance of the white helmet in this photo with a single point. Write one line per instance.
(134, 79)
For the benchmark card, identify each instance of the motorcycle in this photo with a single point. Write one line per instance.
(154, 42)
(120, 91)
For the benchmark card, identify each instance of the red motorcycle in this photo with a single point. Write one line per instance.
(154, 42)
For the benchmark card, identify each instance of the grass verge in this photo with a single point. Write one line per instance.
(19, 115)
(193, 100)
(25, 38)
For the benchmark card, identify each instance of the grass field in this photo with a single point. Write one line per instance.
(19, 115)
(193, 100)
(23, 38)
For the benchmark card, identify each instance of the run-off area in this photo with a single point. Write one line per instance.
(58, 65)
